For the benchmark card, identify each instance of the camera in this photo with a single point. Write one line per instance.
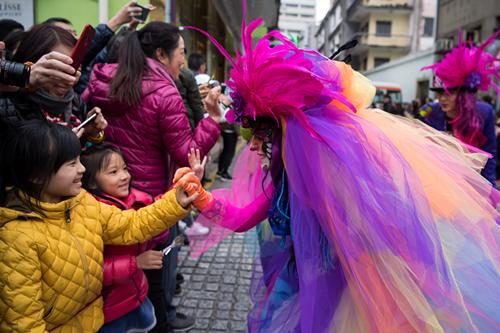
(14, 74)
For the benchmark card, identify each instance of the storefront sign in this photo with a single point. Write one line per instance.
(18, 10)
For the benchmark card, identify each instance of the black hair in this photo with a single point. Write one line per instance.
(195, 60)
(40, 40)
(487, 99)
(53, 20)
(35, 150)
(7, 26)
(115, 43)
(126, 85)
(95, 160)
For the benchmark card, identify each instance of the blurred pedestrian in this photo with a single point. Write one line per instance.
(56, 100)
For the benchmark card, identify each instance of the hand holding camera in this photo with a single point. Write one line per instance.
(211, 103)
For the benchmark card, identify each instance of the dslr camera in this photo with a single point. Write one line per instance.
(13, 73)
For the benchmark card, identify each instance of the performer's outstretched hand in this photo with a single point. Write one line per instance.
(196, 164)
(191, 184)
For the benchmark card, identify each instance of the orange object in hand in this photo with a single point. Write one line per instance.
(191, 184)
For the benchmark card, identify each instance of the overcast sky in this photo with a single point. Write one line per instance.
(322, 7)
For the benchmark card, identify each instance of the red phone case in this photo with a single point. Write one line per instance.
(82, 46)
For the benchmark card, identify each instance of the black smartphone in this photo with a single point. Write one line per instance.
(144, 15)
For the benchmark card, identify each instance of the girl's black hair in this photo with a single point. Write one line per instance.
(126, 85)
(95, 160)
(31, 153)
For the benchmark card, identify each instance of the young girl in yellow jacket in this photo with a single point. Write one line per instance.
(52, 233)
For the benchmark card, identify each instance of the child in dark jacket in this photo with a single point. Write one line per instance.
(125, 287)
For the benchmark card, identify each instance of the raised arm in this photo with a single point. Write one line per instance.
(137, 226)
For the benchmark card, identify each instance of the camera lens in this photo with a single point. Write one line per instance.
(14, 74)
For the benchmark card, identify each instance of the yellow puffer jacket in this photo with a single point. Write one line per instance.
(51, 266)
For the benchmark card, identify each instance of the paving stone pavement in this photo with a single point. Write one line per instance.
(216, 287)
(217, 284)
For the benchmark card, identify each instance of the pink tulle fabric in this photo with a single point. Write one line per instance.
(239, 208)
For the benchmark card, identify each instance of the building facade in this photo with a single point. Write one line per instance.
(405, 72)
(477, 19)
(386, 29)
(296, 17)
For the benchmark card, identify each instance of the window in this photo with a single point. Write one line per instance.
(306, 16)
(292, 15)
(428, 26)
(308, 6)
(383, 28)
(381, 61)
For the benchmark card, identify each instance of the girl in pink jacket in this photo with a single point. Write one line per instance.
(125, 287)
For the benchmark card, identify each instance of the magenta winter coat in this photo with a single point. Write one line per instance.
(154, 137)
(125, 286)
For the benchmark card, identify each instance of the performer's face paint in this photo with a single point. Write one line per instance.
(447, 100)
(261, 142)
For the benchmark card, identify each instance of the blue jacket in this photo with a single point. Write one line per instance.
(435, 117)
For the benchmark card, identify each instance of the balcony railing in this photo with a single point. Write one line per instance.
(388, 3)
(398, 41)
(359, 9)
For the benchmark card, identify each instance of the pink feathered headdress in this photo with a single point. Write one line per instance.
(467, 67)
(277, 80)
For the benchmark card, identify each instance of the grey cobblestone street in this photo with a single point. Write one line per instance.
(217, 284)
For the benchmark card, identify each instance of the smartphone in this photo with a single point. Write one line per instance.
(82, 45)
(144, 15)
(86, 122)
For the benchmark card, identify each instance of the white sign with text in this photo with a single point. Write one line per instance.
(18, 10)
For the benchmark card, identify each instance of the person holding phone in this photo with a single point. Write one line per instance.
(52, 101)
(131, 13)
(148, 122)
(50, 69)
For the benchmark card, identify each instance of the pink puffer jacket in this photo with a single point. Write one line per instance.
(154, 137)
(125, 286)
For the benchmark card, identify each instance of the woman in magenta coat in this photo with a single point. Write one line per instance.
(147, 121)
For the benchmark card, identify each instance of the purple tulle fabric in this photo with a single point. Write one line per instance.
(384, 244)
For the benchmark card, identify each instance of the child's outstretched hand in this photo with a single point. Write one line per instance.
(196, 164)
(191, 184)
(187, 194)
